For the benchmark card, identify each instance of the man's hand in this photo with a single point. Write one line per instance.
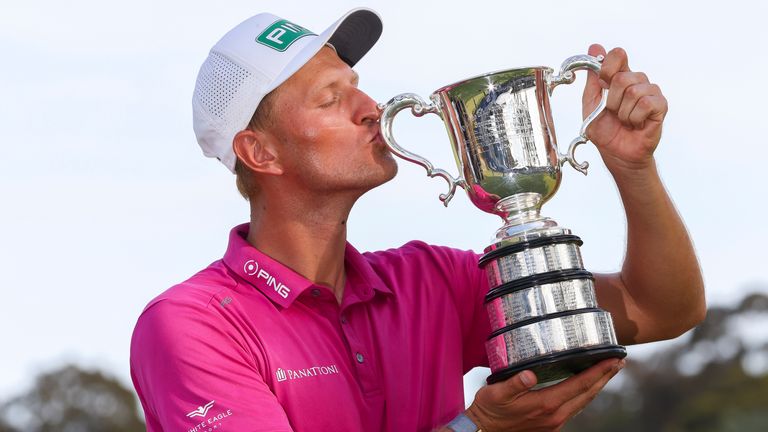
(511, 406)
(629, 129)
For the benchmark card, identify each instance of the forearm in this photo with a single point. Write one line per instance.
(660, 275)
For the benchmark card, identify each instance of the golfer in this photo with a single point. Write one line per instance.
(296, 330)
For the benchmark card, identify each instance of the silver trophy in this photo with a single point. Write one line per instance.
(542, 307)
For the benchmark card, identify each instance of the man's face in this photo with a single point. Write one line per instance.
(328, 130)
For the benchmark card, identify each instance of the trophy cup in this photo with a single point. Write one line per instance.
(541, 304)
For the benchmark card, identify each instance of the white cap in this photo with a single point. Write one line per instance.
(256, 57)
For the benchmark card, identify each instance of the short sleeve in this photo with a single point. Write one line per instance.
(469, 297)
(193, 372)
(458, 270)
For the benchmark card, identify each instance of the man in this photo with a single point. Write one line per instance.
(295, 330)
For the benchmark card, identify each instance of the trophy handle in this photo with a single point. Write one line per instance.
(567, 76)
(419, 107)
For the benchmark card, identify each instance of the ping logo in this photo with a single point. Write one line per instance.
(251, 268)
(282, 34)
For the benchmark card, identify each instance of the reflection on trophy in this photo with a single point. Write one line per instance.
(541, 305)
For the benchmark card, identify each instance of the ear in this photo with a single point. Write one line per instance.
(256, 149)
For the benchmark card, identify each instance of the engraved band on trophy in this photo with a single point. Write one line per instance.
(541, 304)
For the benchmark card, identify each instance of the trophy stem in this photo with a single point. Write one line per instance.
(522, 212)
(520, 208)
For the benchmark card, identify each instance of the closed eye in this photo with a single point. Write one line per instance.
(329, 102)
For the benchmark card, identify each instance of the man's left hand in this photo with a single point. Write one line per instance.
(629, 129)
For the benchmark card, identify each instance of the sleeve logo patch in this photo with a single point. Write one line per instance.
(201, 411)
(211, 423)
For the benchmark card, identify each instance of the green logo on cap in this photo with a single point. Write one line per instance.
(281, 34)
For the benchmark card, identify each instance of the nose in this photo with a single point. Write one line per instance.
(367, 109)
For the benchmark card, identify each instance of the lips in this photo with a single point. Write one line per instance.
(377, 138)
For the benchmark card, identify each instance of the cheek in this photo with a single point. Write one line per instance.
(309, 148)
(308, 128)
(316, 140)
(323, 137)
(311, 134)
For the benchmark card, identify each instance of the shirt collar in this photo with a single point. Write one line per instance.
(359, 271)
(278, 282)
(281, 284)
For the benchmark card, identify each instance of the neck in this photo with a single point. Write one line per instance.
(307, 234)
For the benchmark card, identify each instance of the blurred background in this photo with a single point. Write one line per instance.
(107, 199)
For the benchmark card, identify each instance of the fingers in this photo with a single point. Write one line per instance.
(631, 96)
(634, 99)
(615, 61)
(593, 80)
(649, 107)
(619, 85)
(512, 387)
(596, 50)
(509, 405)
(584, 382)
(575, 405)
(497, 403)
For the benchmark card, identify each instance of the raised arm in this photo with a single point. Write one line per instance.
(659, 292)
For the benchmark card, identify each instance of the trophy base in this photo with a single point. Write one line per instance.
(556, 367)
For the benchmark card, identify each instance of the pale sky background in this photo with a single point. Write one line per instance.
(107, 199)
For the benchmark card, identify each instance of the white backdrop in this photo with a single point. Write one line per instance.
(107, 200)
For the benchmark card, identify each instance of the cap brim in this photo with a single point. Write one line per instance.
(355, 34)
(352, 36)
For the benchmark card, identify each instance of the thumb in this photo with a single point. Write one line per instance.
(594, 87)
(505, 391)
(520, 383)
(492, 399)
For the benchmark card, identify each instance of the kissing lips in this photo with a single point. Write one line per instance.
(378, 139)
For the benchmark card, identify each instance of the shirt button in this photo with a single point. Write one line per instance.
(315, 292)
(343, 319)
(360, 358)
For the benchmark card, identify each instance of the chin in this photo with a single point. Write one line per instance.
(390, 168)
(380, 174)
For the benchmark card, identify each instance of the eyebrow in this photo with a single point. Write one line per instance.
(355, 80)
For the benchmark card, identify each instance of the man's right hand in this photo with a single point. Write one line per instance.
(512, 406)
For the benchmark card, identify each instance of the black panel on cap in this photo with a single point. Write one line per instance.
(356, 35)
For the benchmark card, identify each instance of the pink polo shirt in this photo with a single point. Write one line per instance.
(250, 345)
